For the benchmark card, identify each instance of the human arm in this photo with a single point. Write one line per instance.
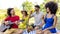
(54, 24)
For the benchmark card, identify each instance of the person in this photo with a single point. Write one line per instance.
(25, 19)
(50, 19)
(38, 31)
(14, 19)
(37, 16)
(29, 30)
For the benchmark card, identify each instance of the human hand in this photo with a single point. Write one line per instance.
(6, 23)
(36, 28)
(16, 22)
(44, 30)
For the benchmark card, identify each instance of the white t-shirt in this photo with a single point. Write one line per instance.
(37, 17)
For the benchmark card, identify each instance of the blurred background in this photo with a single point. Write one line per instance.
(28, 5)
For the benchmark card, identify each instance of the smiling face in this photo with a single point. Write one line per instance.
(36, 9)
(51, 7)
(24, 13)
(12, 12)
(47, 9)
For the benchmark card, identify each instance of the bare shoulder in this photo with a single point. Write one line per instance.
(43, 16)
(55, 17)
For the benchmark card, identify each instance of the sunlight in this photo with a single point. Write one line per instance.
(4, 4)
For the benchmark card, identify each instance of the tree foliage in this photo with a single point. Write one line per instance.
(27, 5)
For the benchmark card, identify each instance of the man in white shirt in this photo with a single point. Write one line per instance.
(37, 15)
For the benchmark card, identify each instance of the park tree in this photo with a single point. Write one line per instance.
(27, 5)
(45, 1)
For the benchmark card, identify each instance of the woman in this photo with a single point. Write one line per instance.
(12, 17)
(50, 19)
(25, 19)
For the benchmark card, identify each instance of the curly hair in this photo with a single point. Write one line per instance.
(52, 7)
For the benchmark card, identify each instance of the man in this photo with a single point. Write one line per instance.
(37, 15)
(29, 30)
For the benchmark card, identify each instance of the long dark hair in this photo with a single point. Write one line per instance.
(9, 10)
